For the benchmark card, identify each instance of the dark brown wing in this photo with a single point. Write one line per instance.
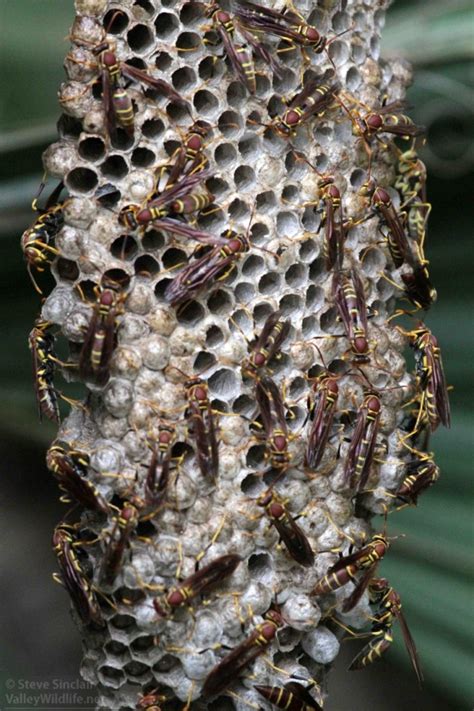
(360, 296)
(263, 402)
(295, 540)
(370, 439)
(341, 303)
(320, 429)
(354, 447)
(154, 83)
(110, 118)
(217, 570)
(230, 667)
(302, 694)
(358, 591)
(410, 645)
(277, 401)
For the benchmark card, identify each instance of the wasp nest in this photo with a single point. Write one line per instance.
(227, 258)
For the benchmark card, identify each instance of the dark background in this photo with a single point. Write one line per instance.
(430, 567)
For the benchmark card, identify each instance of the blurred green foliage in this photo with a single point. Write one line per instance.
(431, 566)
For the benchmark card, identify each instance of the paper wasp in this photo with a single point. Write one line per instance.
(322, 411)
(158, 473)
(267, 345)
(202, 427)
(397, 240)
(387, 118)
(411, 184)
(118, 106)
(240, 55)
(100, 340)
(290, 533)
(288, 25)
(173, 200)
(350, 301)
(361, 449)
(215, 264)
(272, 413)
(292, 697)
(73, 577)
(198, 583)
(36, 240)
(421, 474)
(150, 701)
(313, 99)
(41, 343)
(241, 656)
(434, 402)
(70, 469)
(348, 566)
(389, 612)
(120, 535)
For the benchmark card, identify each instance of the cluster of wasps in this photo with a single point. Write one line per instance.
(179, 195)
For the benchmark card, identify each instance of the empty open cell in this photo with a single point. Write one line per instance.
(143, 157)
(92, 148)
(262, 311)
(209, 68)
(188, 42)
(236, 94)
(225, 155)
(217, 186)
(81, 180)
(146, 5)
(244, 292)
(204, 361)
(237, 209)
(328, 319)
(253, 265)
(153, 240)
(265, 201)
(69, 127)
(220, 302)
(316, 270)
(244, 405)
(120, 140)
(314, 297)
(309, 326)
(270, 283)
(163, 61)
(140, 38)
(115, 277)
(205, 102)
(244, 177)
(153, 128)
(230, 123)
(296, 275)
(146, 266)
(291, 304)
(214, 336)
(287, 224)
(124, 247)
(166, 25)
(174, 257)
(308, 250)
(114, 167)
(190, 313)
(259, 233)
(249, 147)
(115, 21)
(183, 79)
